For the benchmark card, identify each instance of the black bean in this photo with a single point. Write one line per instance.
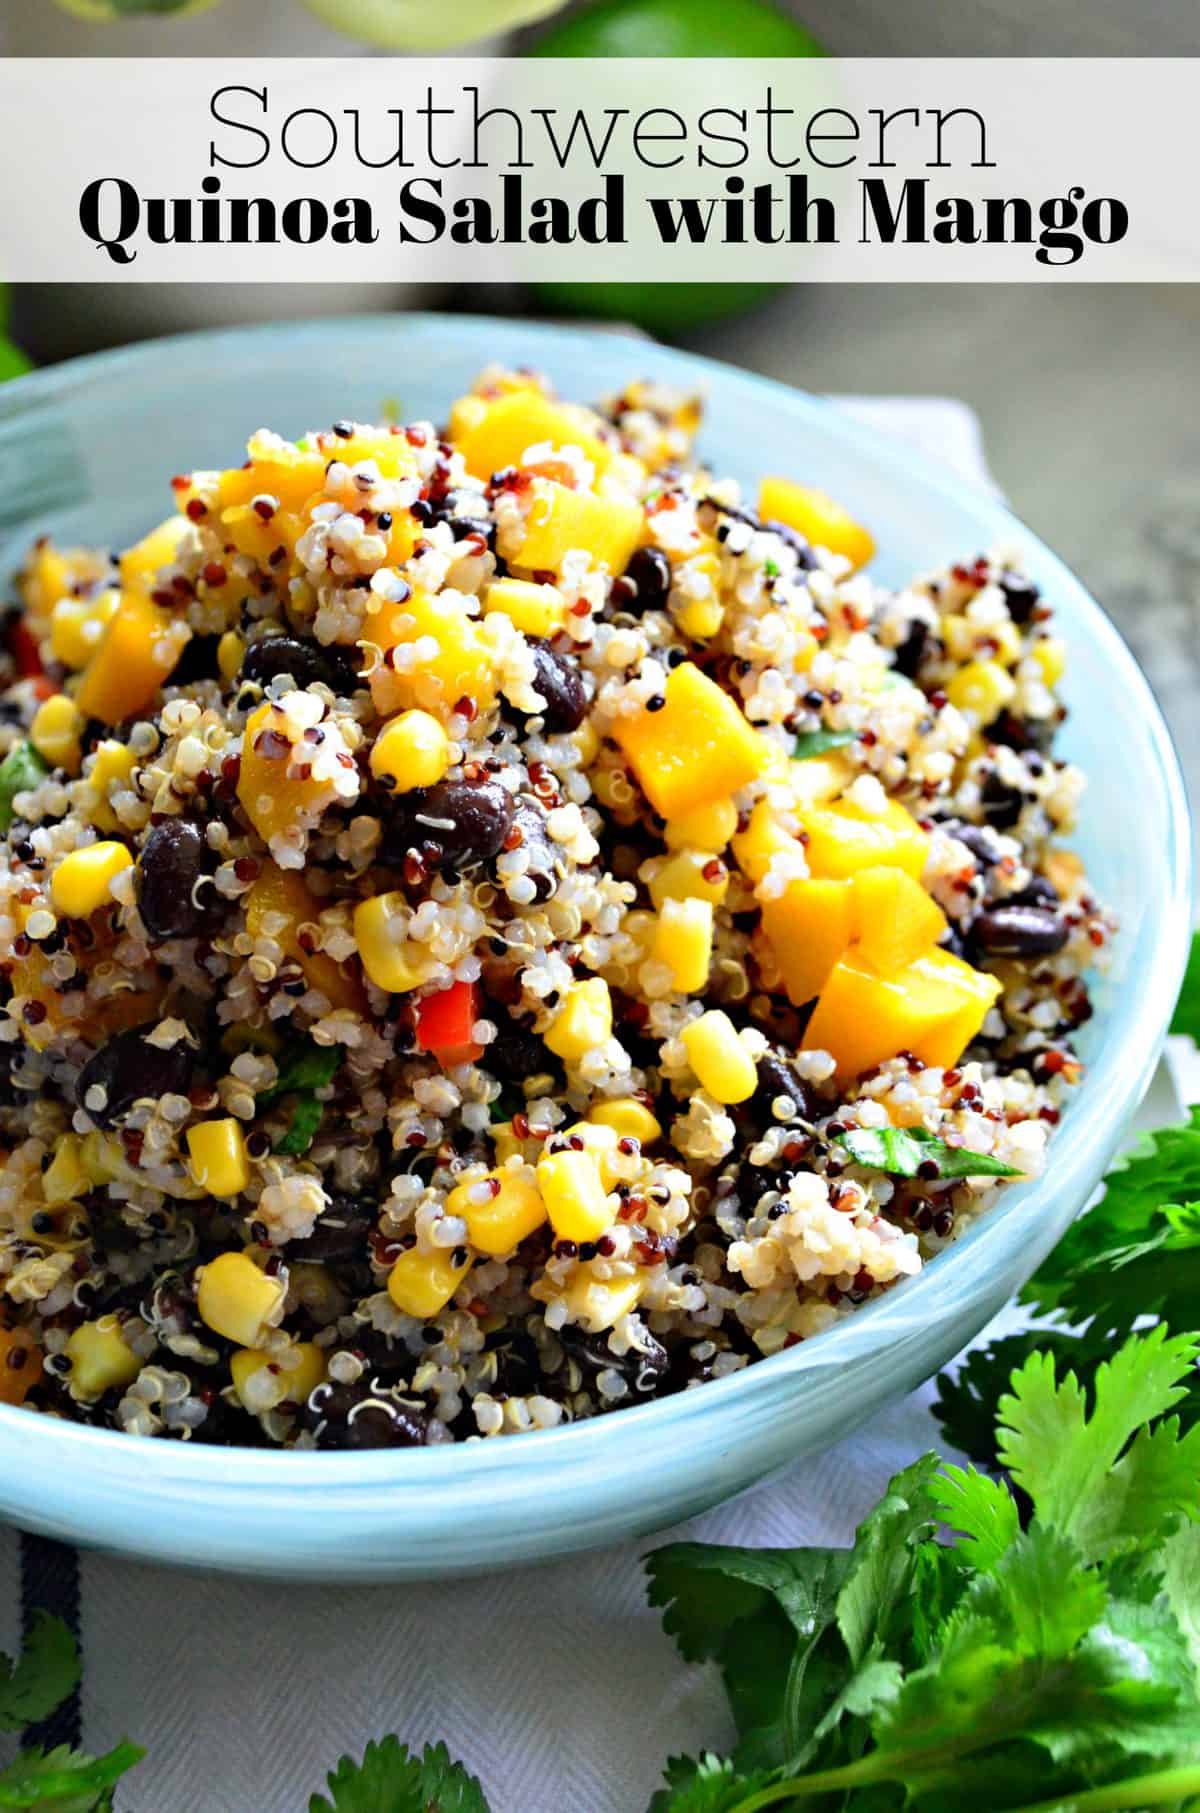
(558, 680)
(355, 1416)
(806, 560)
(197, 662)
(1022, 734)
(1040, 891)
(307, 662)
(910, 651)
(129, 1070)
(1021, 596)
(458, 823)
(777, 1077)
(340, 1234)
(516, 1052)
(174, 859)
(650, 571)
(518, 1366)
(643, 1371)
(976, 839)
(1018, 931)
(1000, 804)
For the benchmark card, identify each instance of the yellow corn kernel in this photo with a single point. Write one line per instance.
(101, 1358)
(57, 731)
(599, 1303)
(54, 573)
(102, 1157)
(629, 1119)
(818, 518)
(141, 647)
(537, 610)
(700, 618)
(600, 1143)
(573, 1192)
(763, 838)
(141, 564)
(82, 882)
(587, 740)
(708, 827)
(65, 1178)
(422, 1283)
(696, 748)
(237, 1299)
(964, 639)
(500, 1210)
(113, 764)
(219, 1161)
(561, 522)
(682, 877)
(411, 750)
(1051, 656)
(683, 941)
(77, 626)
(505, 1142)
(720, 1060)
(382, 957)
(983, 688)
(264, 1380)
(583, 1021)
(231, 651)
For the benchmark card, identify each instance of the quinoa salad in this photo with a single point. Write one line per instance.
(497, 925)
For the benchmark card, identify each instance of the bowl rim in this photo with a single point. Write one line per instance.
(1090, 1131)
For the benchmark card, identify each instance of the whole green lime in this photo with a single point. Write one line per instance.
(669, 28)
(12, 360)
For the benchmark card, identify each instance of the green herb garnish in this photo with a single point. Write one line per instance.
(304, 1068)
(820, 742)
(61, 1780)
(21, 769)
(901, 1151)
(390, 1779)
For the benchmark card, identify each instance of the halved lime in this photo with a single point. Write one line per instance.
(423, 25)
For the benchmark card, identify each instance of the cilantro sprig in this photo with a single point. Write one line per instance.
(820, 742)
(305, 1069)
(901, 1152)
(31, 1688)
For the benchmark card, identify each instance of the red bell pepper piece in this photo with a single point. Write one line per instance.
(22, 645)
(444, 1023)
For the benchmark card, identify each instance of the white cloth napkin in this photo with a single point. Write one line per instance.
(555, 1685)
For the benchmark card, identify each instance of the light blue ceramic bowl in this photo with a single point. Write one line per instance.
(86, 450)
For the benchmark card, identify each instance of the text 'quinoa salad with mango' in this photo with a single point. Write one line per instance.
(494, 929)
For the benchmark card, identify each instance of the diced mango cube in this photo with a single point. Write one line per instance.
(562, 521)
(239, 1300)
(277, 906)
(814, 779)
(583, 1021)
(683, 942)
(20, 1364)
(894, 919)
(112, 766)
(697, 748)
(77, 626)
(808, 927)
(708, 827)
(699, 619)
(1051, 656)
(141, 647)
(683, 877)
(276, 792)
(763, 838)
(500, 1210)
(818, 518)
(844, 837)
(500, 435)
(537, 610)
(65, 1178)
(140, 564)
(934, 1008)
(458, 666)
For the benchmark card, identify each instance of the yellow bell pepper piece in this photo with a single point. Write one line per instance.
(719, 1058)
(808, 927)
(894, 919)
(422, 1283)
(695, 749)
(277, 906)
(141, 648)
(561, 521)
(933, 1008)
(817, 517)
(82, 882)
(843, 838)
(500, 1210)
(237, 1299)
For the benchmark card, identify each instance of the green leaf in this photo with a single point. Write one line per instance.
(1186, 1019)
(1180, 1562)
(707, 1784)
(304, 1065)
(21, 769)
(820, 742)
(46, 1673)
(1075, 1467)
(883, 1559)
(982, 1509)
(901, 1151)
(306, 1119)
(391, 1779)
(64, 1780)
(968, 1399)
